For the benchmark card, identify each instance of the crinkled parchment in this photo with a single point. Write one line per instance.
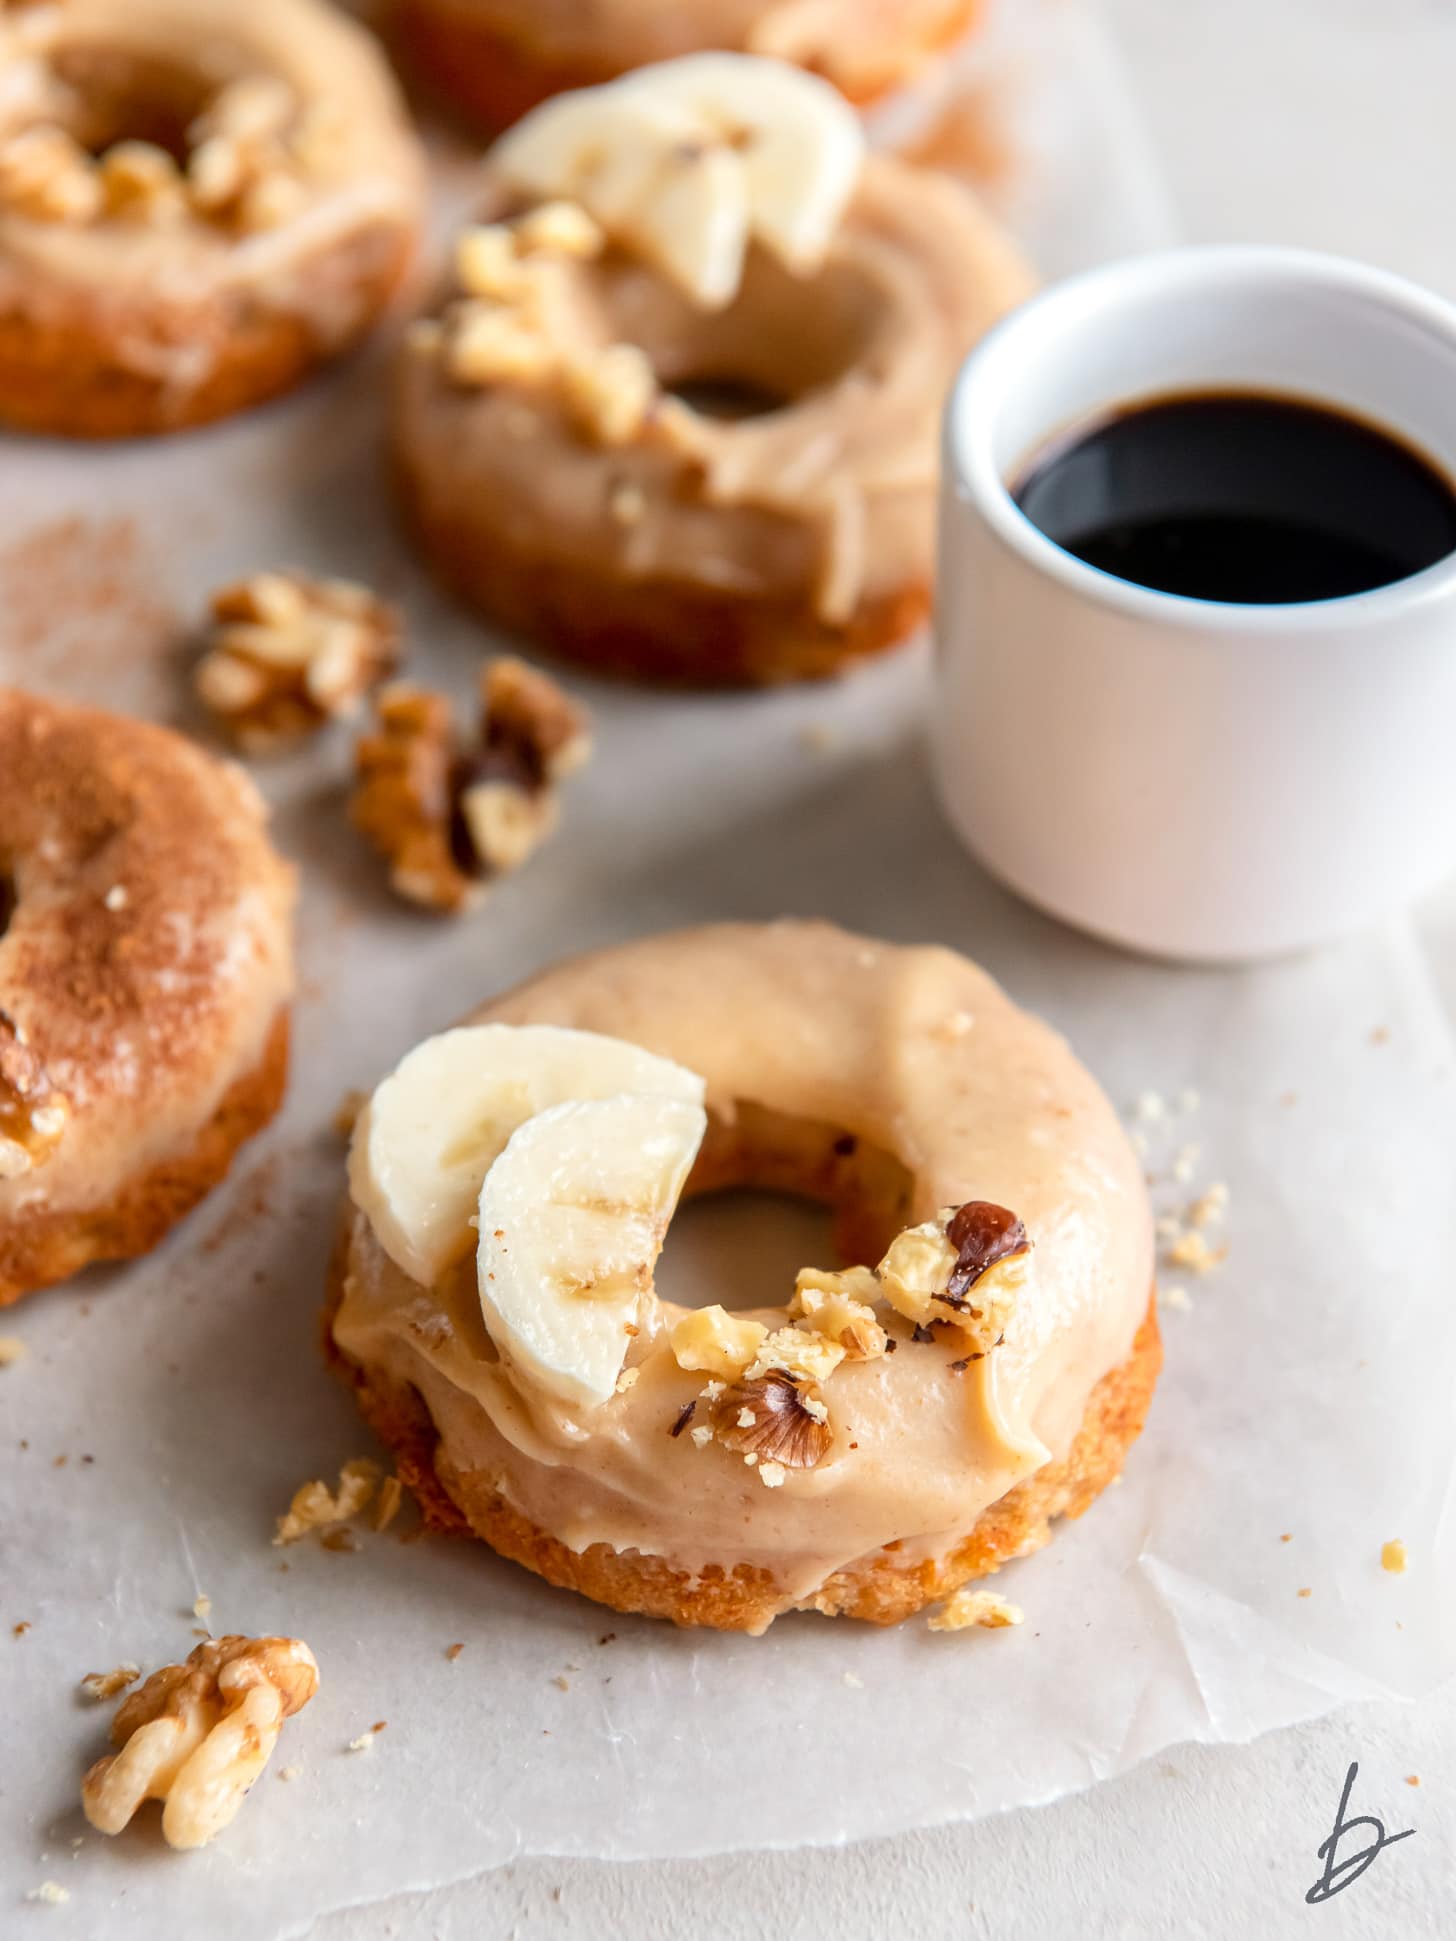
(165, 1413)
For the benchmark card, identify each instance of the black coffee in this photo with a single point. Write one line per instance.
(1246, 498)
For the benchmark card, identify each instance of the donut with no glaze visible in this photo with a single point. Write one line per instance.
(146, 967)
(687, 437)
(891, 1083)
(200, 201)
(496, 59)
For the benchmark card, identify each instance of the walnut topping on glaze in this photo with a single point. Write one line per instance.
(840, 1307)
(715, 1342)
(287, 654)
(776, 1420)
(967, 1267)
(197, 1735)
(501, 329)
(448, 819)
(245, 164)
(33, 1114)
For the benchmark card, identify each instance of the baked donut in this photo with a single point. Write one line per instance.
(678, 415)
(495, 59)
(200, 200)
(146, 966)
(889, 1434)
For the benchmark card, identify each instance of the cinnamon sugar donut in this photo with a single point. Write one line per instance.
(689, 437)
(200, 200)
(890, 1433)
(495, 59)
(145, 973)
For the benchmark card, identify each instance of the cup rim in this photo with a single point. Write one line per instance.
(970, 470)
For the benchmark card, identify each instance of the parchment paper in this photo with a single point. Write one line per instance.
(166, 1412)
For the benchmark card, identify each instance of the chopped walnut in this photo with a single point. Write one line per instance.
(612, 393)
(196, 1736)
(288, 654)
(33, 1114)
(715, 1342)
(46, 174)
(839, 1307)
(970, 1607)
(774, 1419)
(106, 1684)
(797, 1353)
(316, 1507)
(447, 819)
(966, 1268)
(141, 183)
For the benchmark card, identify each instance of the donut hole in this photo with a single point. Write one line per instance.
(771, 1193)
(781, 340)
(114, 95)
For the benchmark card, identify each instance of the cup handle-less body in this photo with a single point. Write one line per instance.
(1185, 777)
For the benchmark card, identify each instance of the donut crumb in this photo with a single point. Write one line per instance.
(968, 1608)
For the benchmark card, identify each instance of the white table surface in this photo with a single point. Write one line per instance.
(1327, 123)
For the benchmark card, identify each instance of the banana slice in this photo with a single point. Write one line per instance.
(572, 1217)
(427, 1138)
(684, 161)
(798, 144)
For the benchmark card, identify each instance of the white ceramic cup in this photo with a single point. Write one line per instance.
(1187, 777)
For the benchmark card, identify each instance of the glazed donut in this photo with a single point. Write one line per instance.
(145, 973)
(704, 450)
(495, 59)
(200, 200)
(916, 1425)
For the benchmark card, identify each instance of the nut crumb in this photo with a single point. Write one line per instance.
(1412, 1779)
(12, 1350)
(1192, 1251)
(202, 1606)
(116, 897)
(972, 1607)
(106, 1684)
(1175, 1297)
(1393, 1556)
(1150, 1107)
(1306, 1591)
(19, 1630)
(391, 1495)
(315, 1507)
(1211, 1205)
(197, 1735)
(1185, 1163)
(49, 1894)
(453, 1651)
(289, 1772)
(1287, 1537)
(772, 1474)
(628, 1379)
(854, 1683)
(561, 1682)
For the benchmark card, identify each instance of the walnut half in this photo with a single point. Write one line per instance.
(197, 1735)
(448, 818)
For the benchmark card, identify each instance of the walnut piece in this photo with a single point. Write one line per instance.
(714, 1342)
(287, 654)
(448, 819)
(196, 1736)
(107, 1684)
(47, 175)
(774, 1419)
(967, 1268)
(316, 1507)
(33, 1113)
(971, 1607)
